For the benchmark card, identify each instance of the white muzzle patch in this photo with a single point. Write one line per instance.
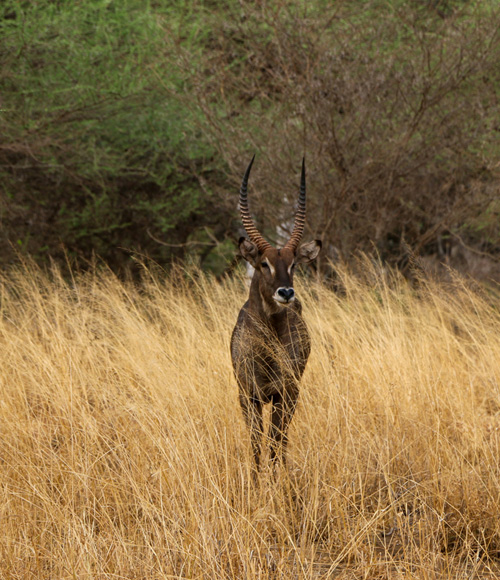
(284, 295)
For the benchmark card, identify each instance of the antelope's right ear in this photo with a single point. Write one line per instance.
(249, 251)
(308, 252)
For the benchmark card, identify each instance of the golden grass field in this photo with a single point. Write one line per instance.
(123, 452)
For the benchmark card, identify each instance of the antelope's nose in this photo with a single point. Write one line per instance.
(286, 293)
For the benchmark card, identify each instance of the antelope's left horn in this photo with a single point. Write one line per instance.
(300, 216)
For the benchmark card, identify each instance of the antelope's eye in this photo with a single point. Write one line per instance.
(265, 265)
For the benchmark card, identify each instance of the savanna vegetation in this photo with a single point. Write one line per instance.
(123, 453)
(124, 130)
(125, 127)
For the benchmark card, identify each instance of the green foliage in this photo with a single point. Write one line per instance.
(89, 124)
(126, 123)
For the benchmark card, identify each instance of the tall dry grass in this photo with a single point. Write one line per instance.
(123, 453)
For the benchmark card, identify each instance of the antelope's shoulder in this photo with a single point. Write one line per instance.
(242, 317)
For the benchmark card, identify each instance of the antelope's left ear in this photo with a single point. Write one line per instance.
(308, 252)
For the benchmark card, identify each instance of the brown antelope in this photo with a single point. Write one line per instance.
(270, 343)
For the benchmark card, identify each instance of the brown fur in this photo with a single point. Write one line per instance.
(270, 343)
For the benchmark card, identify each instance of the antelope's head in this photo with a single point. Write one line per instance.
(274, 267)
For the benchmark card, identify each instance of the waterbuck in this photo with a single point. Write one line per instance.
(270, 343)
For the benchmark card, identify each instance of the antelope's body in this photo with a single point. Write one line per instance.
(270, 343)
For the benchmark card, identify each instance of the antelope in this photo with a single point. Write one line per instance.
(270, 343)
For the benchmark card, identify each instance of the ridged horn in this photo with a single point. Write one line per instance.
(248, 224)
(300, 216)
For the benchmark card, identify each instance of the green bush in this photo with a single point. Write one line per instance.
(95, 150)
(125, 126)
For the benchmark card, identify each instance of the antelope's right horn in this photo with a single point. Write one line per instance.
(248, 224)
